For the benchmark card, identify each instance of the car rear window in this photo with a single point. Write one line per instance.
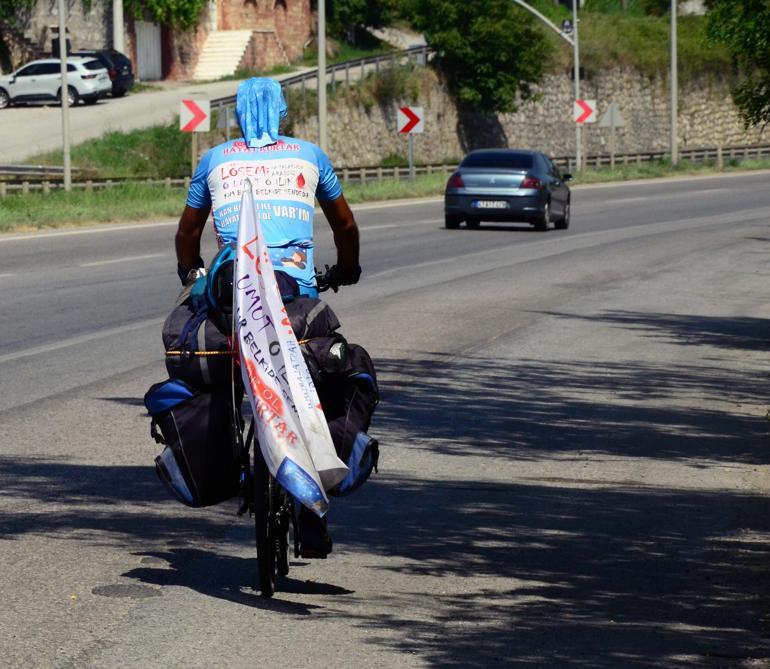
(505, 159)
(93, 65)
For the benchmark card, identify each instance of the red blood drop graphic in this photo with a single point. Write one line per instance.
(300, 181)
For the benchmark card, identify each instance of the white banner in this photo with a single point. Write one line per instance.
(291, 427)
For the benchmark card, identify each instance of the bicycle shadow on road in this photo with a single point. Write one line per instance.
(225, 577)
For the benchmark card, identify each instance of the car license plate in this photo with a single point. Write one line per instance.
(489, 204)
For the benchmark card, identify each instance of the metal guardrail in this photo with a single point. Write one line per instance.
(36, 170)
(367, 174)
(718, 155)
(416, 54)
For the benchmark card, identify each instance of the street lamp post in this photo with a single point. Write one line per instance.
(322, 74)
(64, 95)
(576, 63)
(118, 43)
(674, 88)
(573, 42)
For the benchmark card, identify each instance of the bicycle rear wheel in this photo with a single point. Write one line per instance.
(264, 517)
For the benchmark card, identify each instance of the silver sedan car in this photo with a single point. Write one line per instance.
(507, 185)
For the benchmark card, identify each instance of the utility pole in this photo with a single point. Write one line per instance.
(674, 88)
(322, 74)
(576, 62)
(65, 98)
(573, 42)
(118, 43)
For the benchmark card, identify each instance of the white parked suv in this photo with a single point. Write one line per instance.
(40, 81)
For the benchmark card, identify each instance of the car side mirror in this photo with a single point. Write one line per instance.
(567, 177)
(13, 79)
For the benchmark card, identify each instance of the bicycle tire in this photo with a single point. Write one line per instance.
(282, 531)
(263, 521)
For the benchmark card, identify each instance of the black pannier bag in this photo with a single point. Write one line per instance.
(346, 382)
(197, 351)
(198, 464)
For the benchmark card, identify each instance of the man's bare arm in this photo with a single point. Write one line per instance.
(345, 230)
(188, 236)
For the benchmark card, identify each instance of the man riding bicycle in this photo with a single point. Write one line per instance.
(287, 176)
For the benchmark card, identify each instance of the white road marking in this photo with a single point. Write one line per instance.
(82, 339)
(84, 231)
(384, 226)
(7, 274)
(117, 260)
(667, 196)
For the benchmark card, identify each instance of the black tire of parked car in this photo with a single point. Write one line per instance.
(72, 98)
(452, 222)
(5, 99)
(541, 225)
(563, 222)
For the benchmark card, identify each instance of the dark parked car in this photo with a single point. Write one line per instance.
(117, 64)
(507, 185)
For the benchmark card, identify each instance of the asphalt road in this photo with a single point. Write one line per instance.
(574, 461)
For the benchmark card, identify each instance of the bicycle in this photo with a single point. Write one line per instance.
(262, 496)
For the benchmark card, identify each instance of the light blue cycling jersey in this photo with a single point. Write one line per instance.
(285, 178)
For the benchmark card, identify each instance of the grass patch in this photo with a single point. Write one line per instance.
(130, 202)
(344, 51)
(142, 87)
(610, 37)
(664, 168)
(390, 189)
(158, 151)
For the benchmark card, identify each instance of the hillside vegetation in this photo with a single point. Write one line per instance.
(610, 37)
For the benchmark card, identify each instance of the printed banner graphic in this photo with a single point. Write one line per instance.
(292, 431)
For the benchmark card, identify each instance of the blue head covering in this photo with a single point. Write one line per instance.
(260, 106)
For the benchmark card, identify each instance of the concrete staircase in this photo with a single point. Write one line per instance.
(221, 54)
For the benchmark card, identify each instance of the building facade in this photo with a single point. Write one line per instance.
(259, 35)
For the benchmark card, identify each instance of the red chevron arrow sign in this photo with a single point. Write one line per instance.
(195, 116)
(584, 111)
(410, 120)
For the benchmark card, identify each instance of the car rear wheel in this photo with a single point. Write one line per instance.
(452, 222)
(72, 97)
(5, 99)
(473, 223)
(545, 218)
(563, 222)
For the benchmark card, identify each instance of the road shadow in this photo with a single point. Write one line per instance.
(530, 409)
(735, 332)
(547, 574)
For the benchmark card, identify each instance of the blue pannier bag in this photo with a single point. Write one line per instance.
(199, 465)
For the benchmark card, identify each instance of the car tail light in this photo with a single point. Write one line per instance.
(113, 72)
(88, 76)
(455, 181)
(530, 182)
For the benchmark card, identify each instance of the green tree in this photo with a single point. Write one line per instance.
(346, 15)
(744, 27)
(14, 12)
(178, 13)
(488, 50)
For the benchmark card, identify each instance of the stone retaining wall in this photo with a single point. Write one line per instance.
(364, 135)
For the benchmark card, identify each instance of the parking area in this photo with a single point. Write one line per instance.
(29, 130)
